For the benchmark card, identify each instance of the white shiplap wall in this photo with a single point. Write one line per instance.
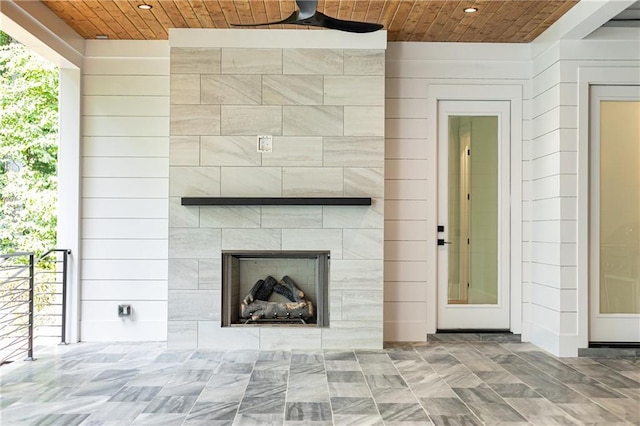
(559, 282)
(409, 172)
(125, 170)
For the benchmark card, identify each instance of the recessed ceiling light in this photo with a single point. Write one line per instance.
(144, 6)
(470, 9)
(102, 37)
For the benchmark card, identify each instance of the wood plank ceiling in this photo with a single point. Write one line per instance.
(503, 21)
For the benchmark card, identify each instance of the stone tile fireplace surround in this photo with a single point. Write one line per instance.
(320, 94)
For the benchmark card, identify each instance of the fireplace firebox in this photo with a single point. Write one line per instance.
(275, 288)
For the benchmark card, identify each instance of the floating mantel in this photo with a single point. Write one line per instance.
(276, 201)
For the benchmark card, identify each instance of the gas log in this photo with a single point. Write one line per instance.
(262, 309)
(256, 305)
(296, 295)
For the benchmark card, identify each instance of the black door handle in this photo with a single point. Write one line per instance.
(442, 242)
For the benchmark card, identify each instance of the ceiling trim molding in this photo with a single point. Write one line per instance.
(276, 39)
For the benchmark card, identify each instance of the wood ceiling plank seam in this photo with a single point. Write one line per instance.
(243, 9)
(165, 13)
(475, 30)
(360, 8)
(156, 18)
(186, 12)
(132, 14)
(202, 13)
(374, 12)
(273, 12)
(435, 29)
(258, 11)
(90, 17)
(331, 7)
(215, 13)
(428, 14)
(449, 29)
(435, 8)
(553, 16)
(471, 23)
(561, 8)
(536, 21)
(507, 14)
(63, 11)
(123, 20)
(120, 32)
(401, 13)
(411, 23)
(489, 9)
(345, 10)
(389, 8)
(525, 16)
(229, 11)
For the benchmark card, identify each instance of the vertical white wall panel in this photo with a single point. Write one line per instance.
(125, 171)
(554, 313)
(411, 69)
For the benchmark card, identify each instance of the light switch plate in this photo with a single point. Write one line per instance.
(265, 143)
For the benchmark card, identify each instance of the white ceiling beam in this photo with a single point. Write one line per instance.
(36, 26)
(580, 21)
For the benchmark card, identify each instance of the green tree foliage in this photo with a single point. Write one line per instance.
(28, 149)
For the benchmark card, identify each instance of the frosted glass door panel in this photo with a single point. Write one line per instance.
(473, 210)
(619, 207)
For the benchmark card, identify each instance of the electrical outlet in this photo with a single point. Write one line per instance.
(265, 143)
(124, 310)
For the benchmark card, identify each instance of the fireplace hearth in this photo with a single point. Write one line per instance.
(252, 296)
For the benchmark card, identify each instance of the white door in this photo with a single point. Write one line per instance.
(473, 215)
(614, 284)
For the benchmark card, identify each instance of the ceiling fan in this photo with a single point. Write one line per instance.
(310, 16)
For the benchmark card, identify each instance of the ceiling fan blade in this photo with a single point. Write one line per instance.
(291, 19)
(307, 8)
(342, 25)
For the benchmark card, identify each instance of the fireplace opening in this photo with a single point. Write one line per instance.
(275, 288)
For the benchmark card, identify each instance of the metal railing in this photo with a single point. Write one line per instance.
(33, 301)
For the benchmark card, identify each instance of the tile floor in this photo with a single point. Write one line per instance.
(442, 383)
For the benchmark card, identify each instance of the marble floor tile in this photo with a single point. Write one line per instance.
(339, 355)
(111, 413)
(341, 389)
(441, 383)
(210, 411)
(350, 405)
(231, 393)
(61, 419)
(308, 411)
(339, 365)
(357, 420)
(455, 420)
(170, 404)
(345, 377)
(135, 393)
(385, 381)
(590, 413)
(263, 404)
(496, 413)
(444, 406)
(147, 419)
(514, 390)
(252, 419)
(395, 413)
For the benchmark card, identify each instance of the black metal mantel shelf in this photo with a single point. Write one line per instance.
(276, 201)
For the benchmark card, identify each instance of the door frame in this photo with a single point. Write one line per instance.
(478, 92)
(486, 316)
(588, 76)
